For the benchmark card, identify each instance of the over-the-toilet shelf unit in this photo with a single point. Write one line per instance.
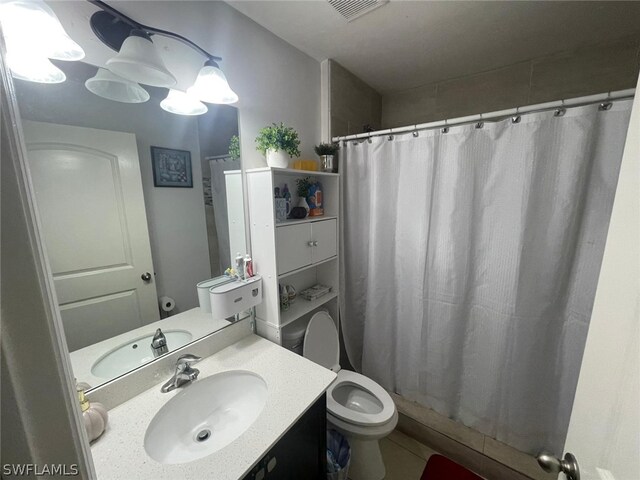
(300, 253)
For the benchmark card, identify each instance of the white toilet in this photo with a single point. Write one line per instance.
(357, 407)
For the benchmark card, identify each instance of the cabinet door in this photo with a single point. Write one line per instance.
(301, 454)
(293, 248)
(325, 241)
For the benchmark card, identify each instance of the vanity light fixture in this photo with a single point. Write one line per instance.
(33, 68)
(182, 103)
(139, 61)
(33, 34)
(108, 85)
(211, 86)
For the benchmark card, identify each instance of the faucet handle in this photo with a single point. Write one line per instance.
(159, 340)
(186, 360)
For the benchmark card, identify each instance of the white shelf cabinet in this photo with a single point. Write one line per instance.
(304, 244)
(294, 252)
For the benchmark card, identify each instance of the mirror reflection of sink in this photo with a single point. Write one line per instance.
(205, 416)
(134, 353)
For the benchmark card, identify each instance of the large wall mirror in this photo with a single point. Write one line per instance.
(137, 205)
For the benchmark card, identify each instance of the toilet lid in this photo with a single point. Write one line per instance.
(321, 344)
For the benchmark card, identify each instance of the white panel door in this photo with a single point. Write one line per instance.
(89, 195)
(604, 431)
(325, 240)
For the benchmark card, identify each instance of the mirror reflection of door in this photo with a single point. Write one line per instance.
(92, 168)
(89, 194)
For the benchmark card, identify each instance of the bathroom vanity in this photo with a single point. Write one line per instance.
(301, 453)
(285, 440)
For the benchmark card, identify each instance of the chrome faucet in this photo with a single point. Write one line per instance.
(159, 344)
(184, 373)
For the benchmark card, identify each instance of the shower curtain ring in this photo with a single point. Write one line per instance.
(390, 137)
(516, 118)
(415, 131)
(445, 129)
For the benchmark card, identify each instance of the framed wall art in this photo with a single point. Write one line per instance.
(171, 168)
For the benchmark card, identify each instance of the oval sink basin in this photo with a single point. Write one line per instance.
(205, 416)
(135, 353)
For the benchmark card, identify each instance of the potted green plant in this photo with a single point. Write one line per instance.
(234, 147)
(278, 144)
(326, 152)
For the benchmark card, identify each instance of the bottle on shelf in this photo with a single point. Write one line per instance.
(248, 267)
(240, 266)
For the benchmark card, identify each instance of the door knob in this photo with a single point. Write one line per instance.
(310, 244)
(315, 244)
(146, 277)
(552, 464)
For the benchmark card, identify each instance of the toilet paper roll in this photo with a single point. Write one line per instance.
(167, 304)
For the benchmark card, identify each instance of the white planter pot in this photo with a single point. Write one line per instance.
(302, 202)
(277, 158)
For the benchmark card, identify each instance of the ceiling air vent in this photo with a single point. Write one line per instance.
(352, 9)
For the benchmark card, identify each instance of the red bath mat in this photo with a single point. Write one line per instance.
(441, 468)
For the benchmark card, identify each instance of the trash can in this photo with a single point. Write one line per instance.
(293, 337)
(338, 456)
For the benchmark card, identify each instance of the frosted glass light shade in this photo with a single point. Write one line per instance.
(182, 103)
(112, 87)
(139, 61)
(33, 29)
(34, 68)
(211, 86)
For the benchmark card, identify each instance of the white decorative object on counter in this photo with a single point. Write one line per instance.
(95, 416)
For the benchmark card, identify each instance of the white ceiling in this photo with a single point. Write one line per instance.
(405, 44)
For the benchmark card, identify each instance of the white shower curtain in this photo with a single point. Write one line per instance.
(221, 214)
(470, 263)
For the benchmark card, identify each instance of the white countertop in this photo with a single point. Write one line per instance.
(194, 321)
(293, 385)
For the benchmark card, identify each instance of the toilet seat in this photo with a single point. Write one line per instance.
(378, 416)
(369, 403)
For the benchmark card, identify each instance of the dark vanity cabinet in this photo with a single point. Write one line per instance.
(301, 453)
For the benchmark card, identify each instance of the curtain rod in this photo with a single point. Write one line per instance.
(500, 114)
(218, 157)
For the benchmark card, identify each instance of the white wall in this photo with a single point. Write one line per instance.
(175, 216)
(605, 421)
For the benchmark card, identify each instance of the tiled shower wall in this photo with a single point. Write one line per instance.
(353, 103)
(596, 69)
(599, 68)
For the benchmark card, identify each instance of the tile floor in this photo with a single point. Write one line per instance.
(404, 457)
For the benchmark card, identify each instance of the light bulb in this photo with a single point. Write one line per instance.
(182, 103)
(32, 28)
(211, 86)
(34, 69)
